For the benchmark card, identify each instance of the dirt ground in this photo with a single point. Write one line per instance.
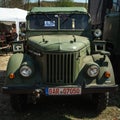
(3, 64)
(78, 108)
(3, 61)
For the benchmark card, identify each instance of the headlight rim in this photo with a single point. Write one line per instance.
(88, 68)
(27, 66)
(96, 32)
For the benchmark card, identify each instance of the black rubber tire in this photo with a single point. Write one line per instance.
(100, 101)
(18, 102)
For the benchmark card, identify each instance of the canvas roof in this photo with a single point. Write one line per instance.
(58, 9)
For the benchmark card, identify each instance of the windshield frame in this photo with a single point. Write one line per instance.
(59, 23)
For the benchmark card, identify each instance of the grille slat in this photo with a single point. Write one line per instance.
(63, 70)
(60, 68)
(56, 59)
(66, 79)
(70, 57)
(52, 58)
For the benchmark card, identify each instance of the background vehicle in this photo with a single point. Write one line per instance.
(59, 58)
(112, 36)
(98, 10)
(106, 18)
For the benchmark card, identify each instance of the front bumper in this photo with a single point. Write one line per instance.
(32, 90)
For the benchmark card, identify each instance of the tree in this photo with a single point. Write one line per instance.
(64, 3)
(15, 3)
(3, 3)
(12, 3)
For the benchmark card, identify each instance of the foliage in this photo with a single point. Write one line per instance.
(12, 3)
(27, 5)
(64, 3)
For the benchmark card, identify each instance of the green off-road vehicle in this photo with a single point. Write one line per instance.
(59, 58)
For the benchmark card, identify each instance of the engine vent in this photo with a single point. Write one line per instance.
(60, 68)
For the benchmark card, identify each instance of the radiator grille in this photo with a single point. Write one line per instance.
(60, 68)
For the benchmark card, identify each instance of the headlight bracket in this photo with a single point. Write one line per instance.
(99, 45)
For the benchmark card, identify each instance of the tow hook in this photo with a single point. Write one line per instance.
(36, 95)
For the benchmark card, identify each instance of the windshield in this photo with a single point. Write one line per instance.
(58, 21)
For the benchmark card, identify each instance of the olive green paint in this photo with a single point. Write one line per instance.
(75, 44)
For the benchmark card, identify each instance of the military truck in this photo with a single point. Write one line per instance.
(59, 58)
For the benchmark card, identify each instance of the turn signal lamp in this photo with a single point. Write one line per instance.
(11, 76)
(107, 74)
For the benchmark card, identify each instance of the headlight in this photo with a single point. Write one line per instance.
(97, 33)
(25, 71)
(93, 70)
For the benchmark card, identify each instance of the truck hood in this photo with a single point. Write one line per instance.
(58, 42)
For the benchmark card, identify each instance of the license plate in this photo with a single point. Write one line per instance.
(63, 91)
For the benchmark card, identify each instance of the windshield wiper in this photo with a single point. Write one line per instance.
(48, 17)
(66, 19)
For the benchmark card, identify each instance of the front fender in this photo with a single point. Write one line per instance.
(14, 64)
(105, 66)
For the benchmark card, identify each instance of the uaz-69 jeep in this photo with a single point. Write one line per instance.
(59, 58)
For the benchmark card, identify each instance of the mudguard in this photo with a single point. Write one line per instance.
(15, 61)
(105, 66)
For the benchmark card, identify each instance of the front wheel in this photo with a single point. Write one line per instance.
(100, 101)
(18, 102)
